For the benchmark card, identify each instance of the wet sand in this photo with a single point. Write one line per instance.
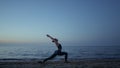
(83, 63)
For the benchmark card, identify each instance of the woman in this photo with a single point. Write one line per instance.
(57, 52)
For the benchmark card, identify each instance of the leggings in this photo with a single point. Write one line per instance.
(57, 52)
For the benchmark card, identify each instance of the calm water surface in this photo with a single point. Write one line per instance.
(43, 51)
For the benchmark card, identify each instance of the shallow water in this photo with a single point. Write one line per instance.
(31, 51)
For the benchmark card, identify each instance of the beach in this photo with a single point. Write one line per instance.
(79, 57)
(82, 63)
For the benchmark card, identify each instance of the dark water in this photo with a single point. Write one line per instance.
(43, 51)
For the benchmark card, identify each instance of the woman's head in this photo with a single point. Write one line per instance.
(55, 40)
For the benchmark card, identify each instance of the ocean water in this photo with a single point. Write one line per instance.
(32, 51)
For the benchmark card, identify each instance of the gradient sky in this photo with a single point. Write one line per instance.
(77, 21)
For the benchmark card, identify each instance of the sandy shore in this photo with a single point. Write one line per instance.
(83, 63)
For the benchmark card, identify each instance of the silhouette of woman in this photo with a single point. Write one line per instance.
(57, 52)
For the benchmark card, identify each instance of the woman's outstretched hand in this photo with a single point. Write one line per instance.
(48, 35)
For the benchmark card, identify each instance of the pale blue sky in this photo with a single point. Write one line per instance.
(69, 20)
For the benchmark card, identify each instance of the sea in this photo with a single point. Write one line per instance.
(35, 51)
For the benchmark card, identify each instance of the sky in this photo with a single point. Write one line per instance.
(71, 21)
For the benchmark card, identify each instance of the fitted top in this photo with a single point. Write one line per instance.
(59, 47)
